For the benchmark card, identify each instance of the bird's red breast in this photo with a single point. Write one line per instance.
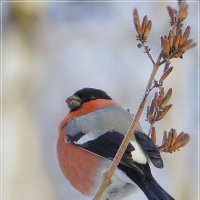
(78, 165)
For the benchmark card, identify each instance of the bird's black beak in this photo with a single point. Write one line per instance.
(73, 102)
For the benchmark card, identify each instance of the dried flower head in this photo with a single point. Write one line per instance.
(176, 44)
(183, 12)
(172, 142)
(159, 108)
(142, 29)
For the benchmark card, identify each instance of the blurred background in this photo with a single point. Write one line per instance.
(50, 50)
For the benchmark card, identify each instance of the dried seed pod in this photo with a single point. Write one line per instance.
(168, 141)
(164, 112)
(136, 20)
(164, 140)
(180, 135)
(183, 12)
(161, 95)
(171, 14)
(156, 100)
(166, 98)
(165, 46)
(167, 65)
(170, 11)
(188, 45)
(144, 23)
(177, 40)
(173, 141)
(182, 139)
(147, 30)
(151, 110)
(171, 40)
(165, 74)
(153, 134)
(185, 36)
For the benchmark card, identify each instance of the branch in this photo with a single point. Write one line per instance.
(173, 46)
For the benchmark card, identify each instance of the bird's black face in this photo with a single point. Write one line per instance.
(85, 95)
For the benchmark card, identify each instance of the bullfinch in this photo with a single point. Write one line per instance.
(89, 138)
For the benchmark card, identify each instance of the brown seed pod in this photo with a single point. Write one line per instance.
(151, 110)
(171, 40)
(136, 20)
(156, 100)
(178, 38)
(164, 112)
(166, 65)
(165, 46)
(147, 30)
(183, 12)
(171, 14)
(161, 95)
(185, 36)
(166, 98)
(165, 74)
(170, 11)
(144, 23)
(164, 140)
(182, 139)
(188, 45)
(173, 141)
(168, 141)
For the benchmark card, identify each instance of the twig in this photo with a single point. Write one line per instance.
(147, 51)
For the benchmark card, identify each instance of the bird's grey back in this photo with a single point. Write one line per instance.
(111, 118)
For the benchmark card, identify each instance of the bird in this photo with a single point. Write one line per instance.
(89, 138)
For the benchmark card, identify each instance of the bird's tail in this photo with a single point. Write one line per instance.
(153, 190)
(144, 179)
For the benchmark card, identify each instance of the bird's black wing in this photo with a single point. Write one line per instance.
(107, 146)
(150, 148)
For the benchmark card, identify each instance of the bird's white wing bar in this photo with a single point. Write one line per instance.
(86, 138)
